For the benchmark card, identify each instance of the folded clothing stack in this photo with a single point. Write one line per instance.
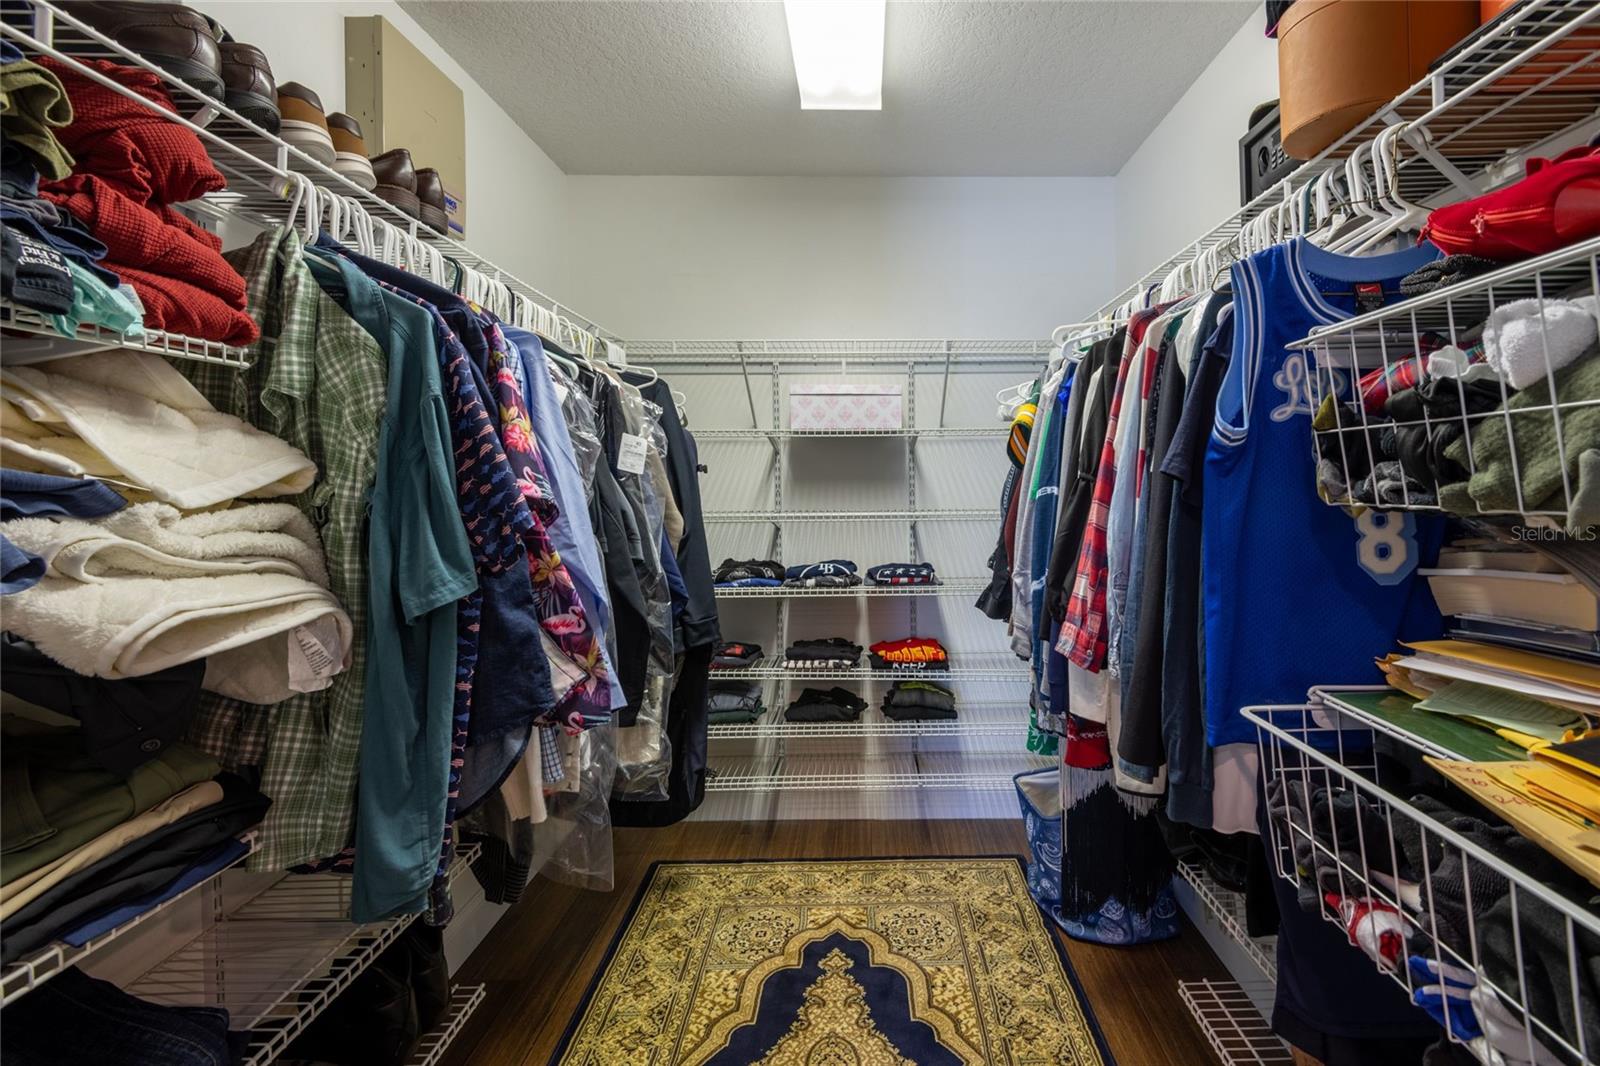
(825, 705)
(828, 574)
(743, 573)
(735, 655)
(919, 701)
(902, 574)
(827, 653)
(911, 655)
(133, 163)
(734, 702)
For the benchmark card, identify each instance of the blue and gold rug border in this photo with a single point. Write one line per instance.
(1084, 1004)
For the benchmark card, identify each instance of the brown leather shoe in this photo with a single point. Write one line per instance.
(247, 84)
(350, 150)
(178, 39)
(304, 125)
(397, 180)
(430, 194)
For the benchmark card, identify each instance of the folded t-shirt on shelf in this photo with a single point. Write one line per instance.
(830, 573)
(745, 572)
(902, 574)
(736, 655)
(827, 653)
(825, 705)
(911, 655)
(914, 701)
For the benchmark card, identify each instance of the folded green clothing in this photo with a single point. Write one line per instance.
(735, 717)
(919, 694)
(919, 714)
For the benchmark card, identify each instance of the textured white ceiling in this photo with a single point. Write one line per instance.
(691, 87)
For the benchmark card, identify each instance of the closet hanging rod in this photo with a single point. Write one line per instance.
(62, 36)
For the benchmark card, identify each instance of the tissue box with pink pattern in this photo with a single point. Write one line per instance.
(834, 406)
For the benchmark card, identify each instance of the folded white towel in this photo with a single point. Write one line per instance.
(145, 418)
(1523, 337)
(157, 540)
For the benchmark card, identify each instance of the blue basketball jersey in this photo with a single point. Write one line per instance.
(1297, 593)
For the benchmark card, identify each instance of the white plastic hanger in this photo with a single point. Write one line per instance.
(1404, 216)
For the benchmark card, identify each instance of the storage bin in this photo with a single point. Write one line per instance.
(1341, 60)
(841, 406)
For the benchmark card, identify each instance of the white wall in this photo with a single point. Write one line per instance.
(514, 192)
(715, 257)
(1184, 178)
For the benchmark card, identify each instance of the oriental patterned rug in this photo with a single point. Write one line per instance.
(884, 962)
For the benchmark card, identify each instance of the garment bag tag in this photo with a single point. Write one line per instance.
(1369, 296)
(630, 454)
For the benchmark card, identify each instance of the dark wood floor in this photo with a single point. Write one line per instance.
(539, 960)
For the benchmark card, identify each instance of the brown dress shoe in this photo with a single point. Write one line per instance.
(350, 150)
(397, 180)
(247, 83)
(304, 125)
(430, 194)
(178, 39)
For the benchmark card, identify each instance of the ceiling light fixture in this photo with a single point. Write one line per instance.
(838, 53)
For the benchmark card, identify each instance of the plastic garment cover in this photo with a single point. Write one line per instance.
(579, 823)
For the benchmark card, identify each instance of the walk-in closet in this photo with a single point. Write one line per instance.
(800, 533)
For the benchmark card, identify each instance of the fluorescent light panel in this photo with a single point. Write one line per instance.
(838, 53)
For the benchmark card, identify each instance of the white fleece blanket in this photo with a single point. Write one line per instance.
(147, 588)
(157, 540)
(144, 418)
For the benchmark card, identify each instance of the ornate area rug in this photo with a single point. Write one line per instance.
(883, 962)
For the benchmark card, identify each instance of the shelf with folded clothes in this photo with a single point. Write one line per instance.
(997, 667)
(1226, 1013)
(960, 586)
(279, 959)
(1494, 95)
(906, 771)
(975, 514)
(35, 969)
(1490, 931)
(265, 173)
(433, 1045)
(774, 725)
(930, 433)
(1474, 399)
(89, 337)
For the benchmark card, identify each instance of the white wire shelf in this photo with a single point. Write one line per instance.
(1497, 95)
(257, 165)
(780, 517)
(954, 587)
(716, 355)
(932, 432)
(1357, 467)
(28, 973)
(1339, 828)
(903, 772)
(277, 961)
(92, 338)
(1226, 908)
(875, 727)
(431, 1048)
(1232, 1024)
(962, 668)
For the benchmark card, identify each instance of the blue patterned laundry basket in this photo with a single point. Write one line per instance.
(1039, 795)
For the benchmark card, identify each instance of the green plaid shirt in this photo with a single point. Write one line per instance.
(319, 382)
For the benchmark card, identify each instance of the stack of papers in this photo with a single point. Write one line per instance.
(1556, 807)
(1532, 677)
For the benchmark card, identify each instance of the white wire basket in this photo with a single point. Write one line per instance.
(1496, 426)
(1509, 964)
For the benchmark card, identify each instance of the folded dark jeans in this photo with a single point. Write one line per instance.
(76, 1018)
(143, 866)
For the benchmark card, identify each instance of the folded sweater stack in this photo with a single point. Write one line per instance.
(736, 655)
(132, 165)
(902, 574)
(826, 653)
(748, 573)
(918, 701)
(825, 705)
(734, 702)
(828, 574)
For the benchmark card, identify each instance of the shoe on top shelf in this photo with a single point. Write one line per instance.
(304, 123)
(176, 38)
(397, 181)
(247, 85)
(430, 195)
(350, 150)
